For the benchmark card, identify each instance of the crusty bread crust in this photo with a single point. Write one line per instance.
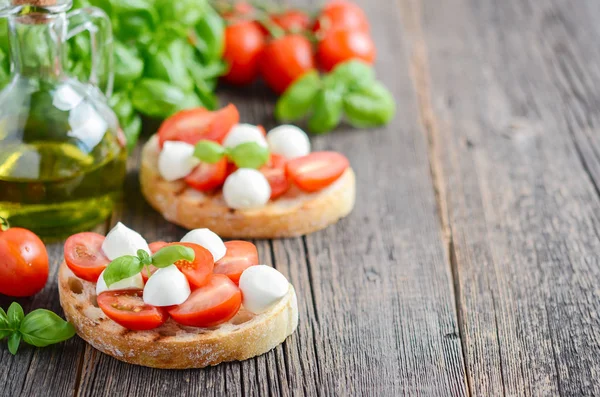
(294, 214)
(172, 345)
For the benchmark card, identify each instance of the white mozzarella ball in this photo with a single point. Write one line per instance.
(288, 141)
(121, 241)
(133, 282)
(246, 189)
(176, 160)
(207, 239)
(262, 287)
(166, 287)
(242, 133)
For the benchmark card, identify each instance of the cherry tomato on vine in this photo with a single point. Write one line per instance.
(341, 14)
(292, 21)
(244, 43)
(23, 262)
(284, 60)
(128, 309)
(344, 44)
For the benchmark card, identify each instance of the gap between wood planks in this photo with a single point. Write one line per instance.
(410, 11)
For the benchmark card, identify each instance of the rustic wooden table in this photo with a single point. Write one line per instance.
(471, 264)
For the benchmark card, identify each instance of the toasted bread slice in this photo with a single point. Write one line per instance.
(172, 345)
(294, 214)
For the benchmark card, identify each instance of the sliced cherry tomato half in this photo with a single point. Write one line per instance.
(84, 256)
(128, 309)
(155, 246)
(240, 256)
(317, 170)
(193, 125)
(199, 271)
(208, 176)
(275, 173)
(213, 304)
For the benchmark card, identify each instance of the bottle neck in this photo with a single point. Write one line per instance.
(36, 44)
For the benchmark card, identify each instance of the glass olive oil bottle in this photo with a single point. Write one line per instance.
(62, 161)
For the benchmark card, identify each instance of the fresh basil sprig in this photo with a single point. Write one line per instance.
(39, 328)
(129, 265)
(244, 155)
(349, 91)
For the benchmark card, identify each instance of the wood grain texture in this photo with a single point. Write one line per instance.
(375, 293)
(501, 85)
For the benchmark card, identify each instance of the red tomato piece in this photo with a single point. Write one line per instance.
(199, 271)
(155, 246)
(292, 21)
(207, 176)
(231, 168)
(128, 309)
(194, 125)
(275, 173)
(344, 44)
(284, 60)
(84, 256)
(23, 262)
(240, 256)
(244, 43)
(341, 14)
(317, 170)
(213, 304)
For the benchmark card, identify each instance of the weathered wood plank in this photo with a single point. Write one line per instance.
(522, 213)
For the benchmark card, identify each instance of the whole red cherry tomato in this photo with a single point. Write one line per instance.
(285, 59)
(23, 262)
(292, 21)
(344, 44)
(341, 14)
(244, 42)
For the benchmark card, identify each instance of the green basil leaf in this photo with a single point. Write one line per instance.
(328, 111)
(371, 106)
(184, 12)
(156, 98)
(132, 130)
(144, 257)
(5, 328)
(354, 72)
(15, 315)
(14, 340)
(298, 99)
(209, 151)
(249, 155)
(42, 327)
(209, 37)
(128, 65)
(168, 64)
(169, 255)
(122, 268)
(121, 105)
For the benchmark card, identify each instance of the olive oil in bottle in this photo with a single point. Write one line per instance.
(62, 159)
